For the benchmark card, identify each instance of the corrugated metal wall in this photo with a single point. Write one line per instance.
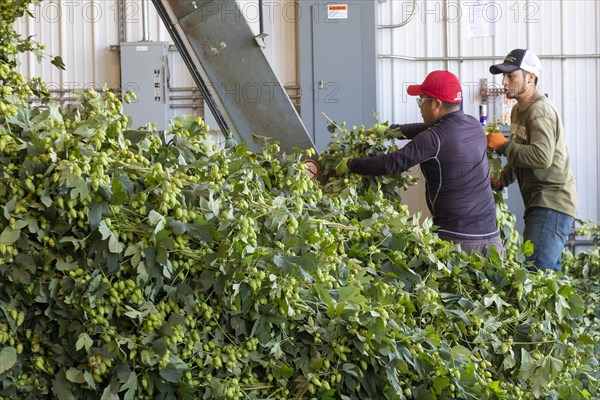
(432, 34)
(435, 34)
(87, 33)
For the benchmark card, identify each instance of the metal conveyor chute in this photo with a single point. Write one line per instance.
(232, 72)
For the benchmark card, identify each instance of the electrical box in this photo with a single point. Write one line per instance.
(145, 70)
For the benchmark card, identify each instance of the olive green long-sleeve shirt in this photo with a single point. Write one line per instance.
(538, 158)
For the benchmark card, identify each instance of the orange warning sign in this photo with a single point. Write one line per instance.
(337, 11)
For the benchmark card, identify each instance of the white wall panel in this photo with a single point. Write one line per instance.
(81, 32)
(279, 20)
(550, 28)
(86, 34)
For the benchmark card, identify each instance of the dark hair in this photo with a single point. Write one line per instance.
(525, 76)
(450, 106)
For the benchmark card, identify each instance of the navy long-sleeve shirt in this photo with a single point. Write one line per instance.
(452, 156)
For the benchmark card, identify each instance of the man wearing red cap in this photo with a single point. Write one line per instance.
(537, 158)
(450, 147)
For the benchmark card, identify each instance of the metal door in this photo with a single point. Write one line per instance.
(343, 85)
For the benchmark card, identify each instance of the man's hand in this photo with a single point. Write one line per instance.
(496, 184)
(495, 140)
(342, 168)
(394, 132)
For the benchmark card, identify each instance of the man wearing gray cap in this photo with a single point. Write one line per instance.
(537, 157)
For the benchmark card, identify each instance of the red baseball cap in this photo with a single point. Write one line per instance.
(441, 85)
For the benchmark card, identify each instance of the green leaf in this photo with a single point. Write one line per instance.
(491, 325)
(8, 358)
(213, 204)
(562, 307)
(351, 294)
(54, 112)
(275, 351)
(276, 219)
(119, 195)
(285, 372)
(155, 219)
(21, 275)
(66, 265)
(20, 224)
(586, 339)
(205, 232)
(22, 119)
(440, 383)
(539, 384)
(392, 377)
(114, 246)
(9, 236)
(351, 369)
(111, 391)
(133, 313)
(57, 61)
(46, 199)
(75, 375)
(461, 353)
(10, 205)
(87, 129)
(160, 347)
(77, 244)
(528, 248)
(80, 190)
(494, 387)
(84, 341)
(131, 385)
(323, 292)
(495, 299)
(170, 373)
(551, 367)
(89, 379)
(241, 149)
(528, 365)
(509, 361)
(62, 387)
(96, 211)
(104, 230)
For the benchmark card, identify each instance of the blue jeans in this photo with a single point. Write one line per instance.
(548, 231)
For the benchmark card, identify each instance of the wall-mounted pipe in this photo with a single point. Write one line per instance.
(145, 34)
(562, 50)
(121, 21)
(261, 21)
(598, 103)
(446, 33)
(488, 58)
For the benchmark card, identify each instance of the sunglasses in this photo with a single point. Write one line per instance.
(421, 100)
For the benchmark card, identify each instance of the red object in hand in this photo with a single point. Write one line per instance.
(495, 140)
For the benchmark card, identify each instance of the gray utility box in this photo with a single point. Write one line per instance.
(144, 69)
(337, 65)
